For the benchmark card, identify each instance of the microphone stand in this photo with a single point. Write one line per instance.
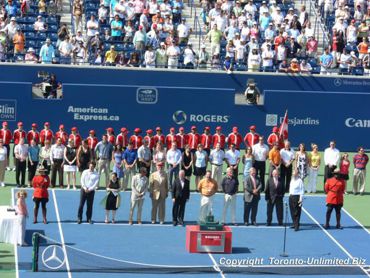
(284, 254)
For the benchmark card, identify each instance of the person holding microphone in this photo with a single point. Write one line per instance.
(296, 192)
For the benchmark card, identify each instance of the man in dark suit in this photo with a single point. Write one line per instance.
(274, 195)
(252, 190)
(180, 195)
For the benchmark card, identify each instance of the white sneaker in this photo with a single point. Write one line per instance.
(2, 184)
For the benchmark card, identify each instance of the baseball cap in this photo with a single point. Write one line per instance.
(218, 128)
(109, 129)
(172, 129)
(34, 125)
(181, 129)
(193, 127)
(207, 128)
(47, 123)
(92, 131)
(158, 128)
(235, 129)
(74, 128)
(275, 129)
(19, 124)
(137, 130)
(5, 123)
(149, 131)
(252, 127)
(123, 129)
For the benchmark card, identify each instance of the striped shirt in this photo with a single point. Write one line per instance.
(360, 161)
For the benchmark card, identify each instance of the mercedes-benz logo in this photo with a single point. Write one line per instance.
(337, 82)
(179, 117)
(53, 257)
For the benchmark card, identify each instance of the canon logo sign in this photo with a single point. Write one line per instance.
(351, 122)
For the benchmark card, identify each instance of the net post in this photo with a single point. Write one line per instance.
(35, 252)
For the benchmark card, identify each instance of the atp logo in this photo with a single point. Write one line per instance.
(179, 117)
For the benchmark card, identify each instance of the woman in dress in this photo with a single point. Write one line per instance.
(40, 183)
(314, 161)
(117, 160)
(70, 162)
(248, 160)
(113, 198)
(33, 160)
(187, 162)
(22, 214)
(159, 155)
(301, 161)
(84, 156)
(344, 170)
(45, 156)
(200, 163)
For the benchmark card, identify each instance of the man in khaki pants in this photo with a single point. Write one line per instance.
(207, 188)
(158, 188)
(360, 161)
(139, 187)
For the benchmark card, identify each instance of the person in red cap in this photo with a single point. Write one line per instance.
(149, 137)
(234, 138)
(75, 137)
(46, 134)
(252, 137)
(193, 139)
(92, 141)
(159, 137)
(219, 137)
(182, 139)
(110, 136)
(274, 137)
(136, 140)
(7, 136)
(33, 134)
(18, 134)
(171, 138)
(206, 140)
(62, 135)
(121, 138)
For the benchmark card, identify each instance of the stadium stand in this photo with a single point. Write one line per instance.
(225, 35)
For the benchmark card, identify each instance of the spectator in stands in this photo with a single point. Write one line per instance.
(102, 14)
(77, 14)
(40, 25)
(42, 7)
(140, 39)
(19, 41)
(173, 53)
(161, 56)
(268, 58)
(134, 60)
(149, 57)
(311, 46)
(294, 66)
(65, 51)
(153, 8)
(362, 31)
(81, 53)
(110, 56)
(62, 33)
(11, 29)
(116, 28)
(326, 60)
(344, 61)
(129, 32)
(119, 9)
(284, 67)
(305, 67)
(3, 43)
(189, 56)
(92, 27)
(152, 37)
(11, 9)
(202, 57)
(254, 61)
(214, 37)
(183, 31)
(228, 65)
(30, 57)
(354, 61)
(293, 48)
(47, 53)
(362, 48)
(215, 62)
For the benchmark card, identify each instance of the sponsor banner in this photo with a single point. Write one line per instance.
(8, 110)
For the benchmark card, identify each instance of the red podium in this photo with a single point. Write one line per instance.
(198, 241)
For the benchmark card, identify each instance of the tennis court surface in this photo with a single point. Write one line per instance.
(67, 249)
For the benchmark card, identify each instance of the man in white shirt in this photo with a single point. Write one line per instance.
(139, 187)
(260, 152)
(56, 160)
(144, 156)
(296, 192)
(173, 52)
(267, 58)
(217, 158)
(89, 183)
(189, 56)
(21, 154)
(331, 159)
(183, 31)
(92, 27)
(287, 158)
(232, 157)
(173, 159)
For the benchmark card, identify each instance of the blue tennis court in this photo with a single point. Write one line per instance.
(153, 250)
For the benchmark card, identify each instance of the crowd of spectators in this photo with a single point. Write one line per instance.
(243, 35)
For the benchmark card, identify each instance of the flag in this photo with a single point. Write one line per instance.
(283, 130)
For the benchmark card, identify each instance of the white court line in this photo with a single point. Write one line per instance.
(216, 266)
(354, 219)
(334, 240)
(61, 235)
(15, 244)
